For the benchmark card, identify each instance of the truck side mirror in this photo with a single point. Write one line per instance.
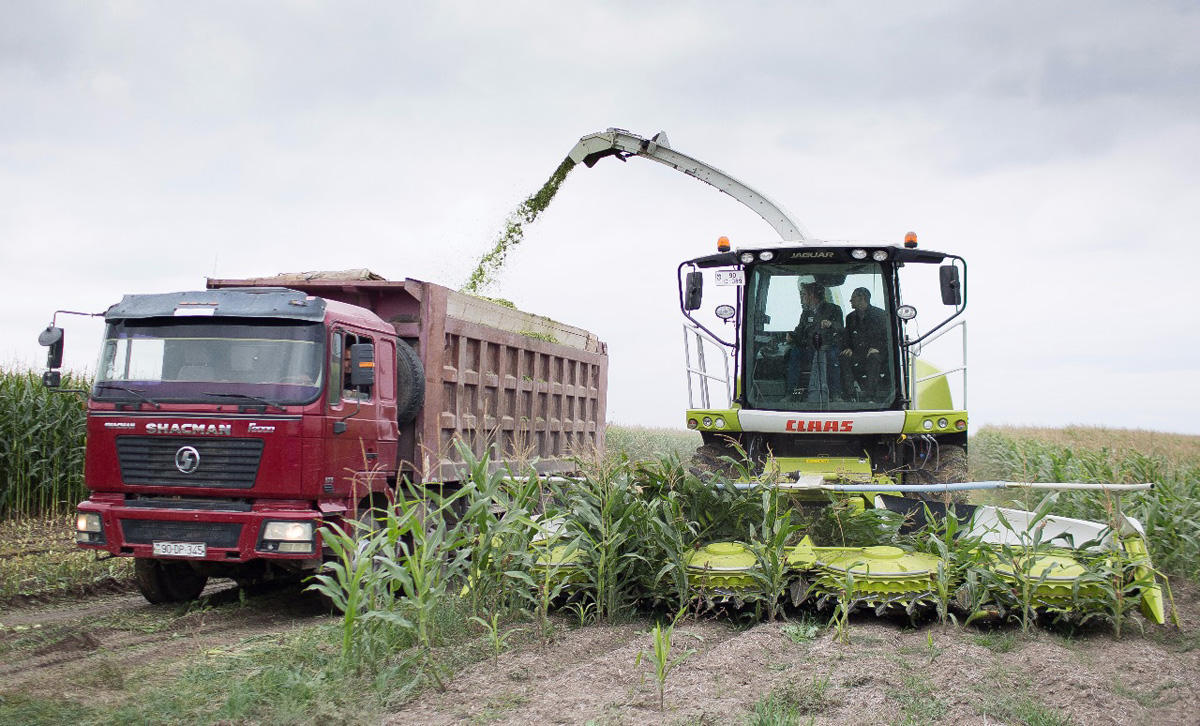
(951, 286)
(693, 290)
(52, 338)
(362, 364)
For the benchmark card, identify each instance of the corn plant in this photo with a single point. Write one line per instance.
(497, 637)
(846, 602)
(661, 656)
(608, 522)
(768, 542)
(41, 445)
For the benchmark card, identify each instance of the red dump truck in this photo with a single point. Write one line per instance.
(226, 425)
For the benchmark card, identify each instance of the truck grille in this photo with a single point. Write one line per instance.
(213, 534)
(224, 463)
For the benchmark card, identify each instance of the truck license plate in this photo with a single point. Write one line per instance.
(180, 549)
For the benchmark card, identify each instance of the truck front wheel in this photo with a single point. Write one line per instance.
(164, 581)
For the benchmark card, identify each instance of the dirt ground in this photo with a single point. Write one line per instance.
(85, 642)
(888, 673)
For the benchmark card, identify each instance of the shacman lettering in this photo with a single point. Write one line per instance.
(190, 428)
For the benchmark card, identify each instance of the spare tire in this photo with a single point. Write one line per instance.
(410, 383)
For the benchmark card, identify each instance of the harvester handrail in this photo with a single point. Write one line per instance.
(942, 374)
(952, 487)
(702, 369)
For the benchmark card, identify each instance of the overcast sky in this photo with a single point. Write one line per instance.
(1056, 146)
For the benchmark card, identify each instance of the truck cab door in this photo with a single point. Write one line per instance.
(352, 423)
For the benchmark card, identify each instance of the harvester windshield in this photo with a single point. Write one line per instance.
(819, 337)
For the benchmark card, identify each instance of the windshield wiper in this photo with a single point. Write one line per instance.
(127, 389)
(263, 401)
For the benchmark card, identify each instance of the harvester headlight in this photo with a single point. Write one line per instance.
(858, 254)
(927, 424)
(693, 423)
(960, 425)
(707, 421)
(943, 423)
(746, 258)
(766, 255)
(88, 522)
(879, 255)
(289, 531)
(719, 422)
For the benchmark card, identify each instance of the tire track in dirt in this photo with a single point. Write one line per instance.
(63, 643)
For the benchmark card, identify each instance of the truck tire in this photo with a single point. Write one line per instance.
(410, 383)
(165, 581)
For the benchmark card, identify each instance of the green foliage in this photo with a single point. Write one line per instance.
(1170, 512)
(664, 662)
(793, 704)
(41, 445)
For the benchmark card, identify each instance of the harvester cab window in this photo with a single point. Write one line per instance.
(818, 338)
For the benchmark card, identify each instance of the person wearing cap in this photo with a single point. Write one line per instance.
(863, 346)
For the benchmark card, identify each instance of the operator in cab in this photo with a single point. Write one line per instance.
(815, 345)
(864, 343)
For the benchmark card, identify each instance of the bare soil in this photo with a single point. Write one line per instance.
(890, 672)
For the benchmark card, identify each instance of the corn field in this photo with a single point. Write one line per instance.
(41, 445)
(1170, 512)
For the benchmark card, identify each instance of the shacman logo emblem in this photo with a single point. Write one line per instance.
(187, 459)
(815, 427)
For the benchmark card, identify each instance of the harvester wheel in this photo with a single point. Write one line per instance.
(164, 581)
(950, 467)
(709, 459)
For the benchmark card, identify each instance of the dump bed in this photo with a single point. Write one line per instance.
(529, 386)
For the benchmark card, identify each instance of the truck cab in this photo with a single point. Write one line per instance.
(225, 425)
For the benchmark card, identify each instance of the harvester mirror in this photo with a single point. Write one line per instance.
(362, 364)
(52, 379)
(52, 338)
(725, 312)
(951, 286)
(693, 290)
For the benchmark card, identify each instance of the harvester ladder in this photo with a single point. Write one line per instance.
(697, 368)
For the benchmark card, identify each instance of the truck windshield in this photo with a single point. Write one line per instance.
(203, 360)
(819, 337)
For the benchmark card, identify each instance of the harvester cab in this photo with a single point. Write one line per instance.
(815, 361)
(824, 374)
(806, 378)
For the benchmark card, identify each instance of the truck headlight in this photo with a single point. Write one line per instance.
(88, 522)
(290, 537)
(89, 528)
(288, 531)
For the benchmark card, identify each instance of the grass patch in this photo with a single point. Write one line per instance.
(919, 703)
(794, 703)
(38, 558)
(997, 641)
